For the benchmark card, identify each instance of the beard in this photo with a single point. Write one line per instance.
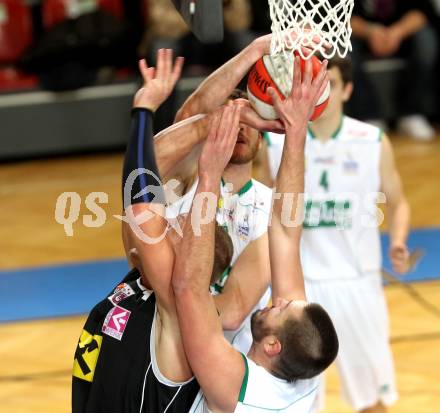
(243, 155)
(258, 329)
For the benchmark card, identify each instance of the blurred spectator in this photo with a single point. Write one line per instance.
(396, 28)
(79, 38)
(167, 29)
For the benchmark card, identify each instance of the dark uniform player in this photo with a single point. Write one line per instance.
(130, 357)
(115, 367)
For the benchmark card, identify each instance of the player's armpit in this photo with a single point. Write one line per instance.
(247, 282)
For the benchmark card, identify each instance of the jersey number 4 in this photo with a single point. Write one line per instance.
(324, 180)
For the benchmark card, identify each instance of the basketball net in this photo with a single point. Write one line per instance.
(311, 24)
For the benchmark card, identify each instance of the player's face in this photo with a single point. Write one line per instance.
(270, 319)
(247, 146)
(339, 94)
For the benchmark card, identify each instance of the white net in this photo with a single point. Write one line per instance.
(311, 24)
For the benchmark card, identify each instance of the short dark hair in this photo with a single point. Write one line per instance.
(345, 67)
(223, 252)
(308, 345)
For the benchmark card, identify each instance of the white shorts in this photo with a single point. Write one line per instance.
(359, 313)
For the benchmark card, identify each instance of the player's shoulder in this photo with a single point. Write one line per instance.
(262, 196)
(356, 131)
(261, 189)
(268, 392)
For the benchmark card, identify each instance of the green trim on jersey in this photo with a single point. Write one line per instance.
(266, 137)
(220, 283)
(244, 189)
(245, 380)
(335, 134)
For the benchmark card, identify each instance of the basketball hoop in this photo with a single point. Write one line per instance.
(311, 24)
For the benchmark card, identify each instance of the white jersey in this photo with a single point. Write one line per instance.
(245, 216)
(340, 238)
(262, 392)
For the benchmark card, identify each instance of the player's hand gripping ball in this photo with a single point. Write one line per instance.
(277, 72)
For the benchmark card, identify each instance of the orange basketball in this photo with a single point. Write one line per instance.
(265, 74)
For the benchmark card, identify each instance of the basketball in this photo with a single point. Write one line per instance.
(277, 72)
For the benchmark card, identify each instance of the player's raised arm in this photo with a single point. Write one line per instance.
(218, 367)
(286, 226)
(143, 197)
(176, 146)
(215, 89)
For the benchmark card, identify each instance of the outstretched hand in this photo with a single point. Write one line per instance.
(159, 82)
(220, 143)
(298, 107)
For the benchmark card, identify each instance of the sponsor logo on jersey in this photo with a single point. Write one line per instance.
(86, 356)
(122, 291)
(350, 166)
(115, 322)
(324, 160)
(357, 133)
(230, 214)
(243, 228)
(327, 213)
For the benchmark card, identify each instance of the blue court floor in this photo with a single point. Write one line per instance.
(72, 289)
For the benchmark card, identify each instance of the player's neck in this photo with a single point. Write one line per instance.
(259, 358)
(238, 175)
(325, 128)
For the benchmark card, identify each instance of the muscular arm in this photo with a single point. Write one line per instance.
(248, 281)
(144, 229)
(285, 231)
(214, 91)
(138, 234)
(284, 241)
(218, 367)
(176, 147)
(397, 205)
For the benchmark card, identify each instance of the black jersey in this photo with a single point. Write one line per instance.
(115, 366)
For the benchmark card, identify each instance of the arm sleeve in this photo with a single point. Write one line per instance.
(141, 181)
